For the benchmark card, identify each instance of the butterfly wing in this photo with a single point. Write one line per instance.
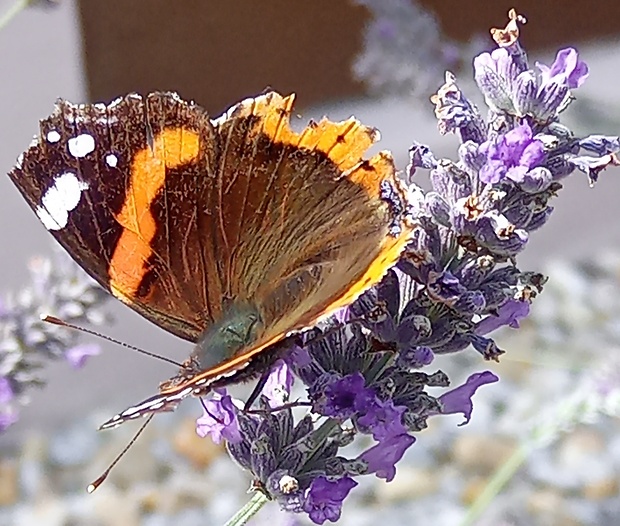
(303, 224)
(120, 186)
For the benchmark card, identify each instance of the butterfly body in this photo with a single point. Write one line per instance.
(232, 233)
(238, 328)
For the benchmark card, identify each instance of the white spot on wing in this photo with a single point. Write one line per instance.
(111, 160)
(81, 145)
(53, 136)
(62, 197)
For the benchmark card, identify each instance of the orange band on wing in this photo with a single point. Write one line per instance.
(343, 142)
(171, 148)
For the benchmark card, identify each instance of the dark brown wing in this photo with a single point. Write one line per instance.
(179, 216)
(120, 187)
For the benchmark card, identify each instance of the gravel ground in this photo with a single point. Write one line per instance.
(548, 414)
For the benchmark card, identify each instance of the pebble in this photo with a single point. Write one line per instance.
(73, 446)
(199, 451)
(472, 489)
(111, 507)
(482, 453)
(409, 483)
(602, 489)
(550, 508)
(9, 486)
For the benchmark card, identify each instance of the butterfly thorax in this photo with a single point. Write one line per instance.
(238, 327)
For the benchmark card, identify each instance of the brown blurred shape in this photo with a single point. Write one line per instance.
(218, 52)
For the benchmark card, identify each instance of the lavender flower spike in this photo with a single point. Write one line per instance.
(58, 288)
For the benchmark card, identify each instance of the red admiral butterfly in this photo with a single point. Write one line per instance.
(232, 233)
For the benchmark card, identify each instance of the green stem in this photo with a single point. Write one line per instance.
(13, 11)
(248, 511)
(501, 477)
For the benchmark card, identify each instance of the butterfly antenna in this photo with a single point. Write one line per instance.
(57, 321)
(96, 483)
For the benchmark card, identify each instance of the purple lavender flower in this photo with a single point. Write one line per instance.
(510, 88)
(381, 374)
(511, 155)
(285, 458)
(600, 144)
(324, 498)
(566, 69)
(382, 419)
(495, 74)
(219, 419)
(415, 357)
(78, 355)
(340, 398)
(509, 314)
(459, 400)
(593, 166)
(455, 113)
(381, 459)
(278, 384)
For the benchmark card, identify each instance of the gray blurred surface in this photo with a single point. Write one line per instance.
(40, 61)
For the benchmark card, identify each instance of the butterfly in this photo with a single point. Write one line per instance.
(232, 233)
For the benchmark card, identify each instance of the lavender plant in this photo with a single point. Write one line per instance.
(404, 49)
(58, 288)
(364, 371)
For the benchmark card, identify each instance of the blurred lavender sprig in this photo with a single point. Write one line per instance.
(456, 283)
(59, 288)
(579, 308)
(404, 49)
